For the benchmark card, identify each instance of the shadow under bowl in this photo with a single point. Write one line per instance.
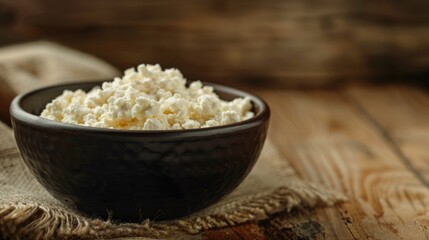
(131, 175)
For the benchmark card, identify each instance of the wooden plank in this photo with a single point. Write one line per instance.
(184, 44)
(328, 141)
(404, 120)
(291, 42)
(297, 224)
(250, 231)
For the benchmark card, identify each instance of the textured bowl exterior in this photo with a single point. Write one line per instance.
(130, 175)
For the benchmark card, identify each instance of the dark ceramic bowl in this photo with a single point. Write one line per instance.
(132, 174)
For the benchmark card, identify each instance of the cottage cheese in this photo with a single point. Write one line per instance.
(148, 99)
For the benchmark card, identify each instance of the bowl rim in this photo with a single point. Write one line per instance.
(18, 113)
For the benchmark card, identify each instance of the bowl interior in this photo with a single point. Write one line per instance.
(34, 102)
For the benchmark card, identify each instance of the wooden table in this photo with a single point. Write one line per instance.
(369, 142)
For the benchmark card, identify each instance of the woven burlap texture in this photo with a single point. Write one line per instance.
(28, 211)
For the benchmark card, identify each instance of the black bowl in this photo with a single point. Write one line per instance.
(131, 175)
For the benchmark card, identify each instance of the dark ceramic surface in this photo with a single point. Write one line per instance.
(134, 175)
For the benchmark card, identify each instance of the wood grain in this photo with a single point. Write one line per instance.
(297, 224)
(292, 42)
(328, 141)
(404, 119)
(249, 231)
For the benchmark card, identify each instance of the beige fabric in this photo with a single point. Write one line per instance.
(28, 66)
(28, 211)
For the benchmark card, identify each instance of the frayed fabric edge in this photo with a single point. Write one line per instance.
(42, 221)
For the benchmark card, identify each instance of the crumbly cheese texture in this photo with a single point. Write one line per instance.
(148, 99)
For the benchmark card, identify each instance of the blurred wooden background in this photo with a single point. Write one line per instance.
(290, 42)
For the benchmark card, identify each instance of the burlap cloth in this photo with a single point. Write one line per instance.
(28, 211)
